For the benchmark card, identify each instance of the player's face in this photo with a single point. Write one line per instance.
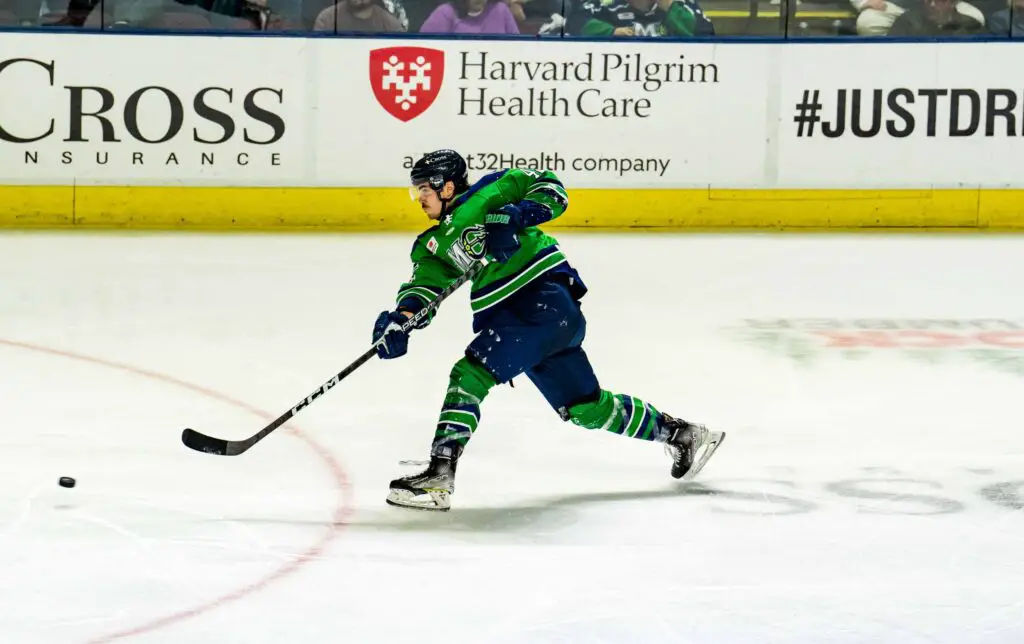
(430, 200)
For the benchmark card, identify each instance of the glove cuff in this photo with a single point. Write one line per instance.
(525, 214)
(413, 305)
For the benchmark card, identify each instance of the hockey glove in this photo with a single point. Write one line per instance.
(503, 229)
(389, 327)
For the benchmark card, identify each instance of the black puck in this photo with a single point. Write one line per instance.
(67, 481)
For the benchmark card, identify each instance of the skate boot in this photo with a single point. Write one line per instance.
(431, 489)
(690, 446)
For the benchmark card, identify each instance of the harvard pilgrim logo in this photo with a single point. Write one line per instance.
(406, 80)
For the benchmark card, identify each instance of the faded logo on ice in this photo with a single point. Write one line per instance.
(996, 343)
(406, 80)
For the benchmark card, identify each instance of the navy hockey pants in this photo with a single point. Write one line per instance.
(539, 331)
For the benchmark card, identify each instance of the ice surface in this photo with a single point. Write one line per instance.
(870, 489)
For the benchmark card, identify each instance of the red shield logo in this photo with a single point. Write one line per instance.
(406, 80)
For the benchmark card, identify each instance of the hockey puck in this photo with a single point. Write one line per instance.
(66, 481)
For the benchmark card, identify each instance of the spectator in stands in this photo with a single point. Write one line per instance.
(704, 25)
(471, 17)
(639, 18)
(937, 18)
(23, 13)
(148, 14)
(553, 26)
(544, 17)
(268, 15)
(1009, 21)
(9, 14)
(397, 9)
(254, 15)
(55, 13)
(362, 16)
(877, 17)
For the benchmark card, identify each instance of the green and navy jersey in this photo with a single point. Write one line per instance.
(603, 17)
(448, 249)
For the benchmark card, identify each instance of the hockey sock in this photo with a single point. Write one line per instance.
(468, 385)
(619, 414)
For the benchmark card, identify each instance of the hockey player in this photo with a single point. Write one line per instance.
(526, 314)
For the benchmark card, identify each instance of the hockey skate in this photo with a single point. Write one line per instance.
(690, 446)
(431, 489)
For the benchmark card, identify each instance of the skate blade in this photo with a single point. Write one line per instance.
(433, 500)
(715, 439)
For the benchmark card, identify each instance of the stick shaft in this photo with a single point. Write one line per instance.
(201, 442)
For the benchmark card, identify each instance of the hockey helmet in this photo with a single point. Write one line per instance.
(438, 167)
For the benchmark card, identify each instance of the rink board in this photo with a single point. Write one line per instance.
(355, 209)
(656, 134)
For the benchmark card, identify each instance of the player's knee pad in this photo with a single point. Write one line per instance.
(469, 382)
(592, 413)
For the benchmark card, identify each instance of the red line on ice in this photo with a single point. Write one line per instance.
(341, 512)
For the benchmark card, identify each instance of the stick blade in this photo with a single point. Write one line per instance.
(203, 443)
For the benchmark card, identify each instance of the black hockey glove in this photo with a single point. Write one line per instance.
(396, 341)
(503, 229)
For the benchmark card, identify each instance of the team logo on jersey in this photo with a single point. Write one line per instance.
(470, 247)
(406, 80)
(474, 241)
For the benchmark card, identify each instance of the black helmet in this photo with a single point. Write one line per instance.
(439, 167)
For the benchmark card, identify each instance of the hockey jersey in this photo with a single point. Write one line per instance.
(603, 17)
(447, 250)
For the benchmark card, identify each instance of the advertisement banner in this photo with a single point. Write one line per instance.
(117, 109)
(609, 115)
(137, 110)
(920, 115)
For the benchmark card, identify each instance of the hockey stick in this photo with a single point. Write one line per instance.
(203, 443)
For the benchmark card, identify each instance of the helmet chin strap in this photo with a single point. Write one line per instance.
(444, 205)
(445, 202)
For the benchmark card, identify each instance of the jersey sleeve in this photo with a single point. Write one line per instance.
(540, 196)
(430, 276)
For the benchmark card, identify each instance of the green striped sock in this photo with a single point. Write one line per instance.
(619, 414)
(468, 385)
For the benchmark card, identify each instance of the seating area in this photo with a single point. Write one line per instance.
(764, 18)
(554, 18)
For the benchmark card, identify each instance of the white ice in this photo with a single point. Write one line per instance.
(557, 534)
